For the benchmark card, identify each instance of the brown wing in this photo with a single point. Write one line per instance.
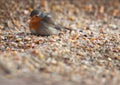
(49, 20)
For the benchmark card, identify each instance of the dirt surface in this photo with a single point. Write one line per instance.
(88, 53)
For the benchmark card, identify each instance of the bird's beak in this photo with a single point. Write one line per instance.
(28, 20)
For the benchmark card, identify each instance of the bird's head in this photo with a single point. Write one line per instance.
(35, 13)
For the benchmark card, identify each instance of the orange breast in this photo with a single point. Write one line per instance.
(35, 23)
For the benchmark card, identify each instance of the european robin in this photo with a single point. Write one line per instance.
(43, 24)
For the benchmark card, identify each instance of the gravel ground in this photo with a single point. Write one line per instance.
(88, 53)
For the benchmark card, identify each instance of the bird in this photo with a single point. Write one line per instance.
(43, 24)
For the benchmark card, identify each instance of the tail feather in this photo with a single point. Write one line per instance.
(59, 27)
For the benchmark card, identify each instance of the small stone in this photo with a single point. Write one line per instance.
(37, 53)
(109, 59)
(27, 39)
(26, 12)
(113, 26)
(18, 39)
(72, 18)
(2, 37)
